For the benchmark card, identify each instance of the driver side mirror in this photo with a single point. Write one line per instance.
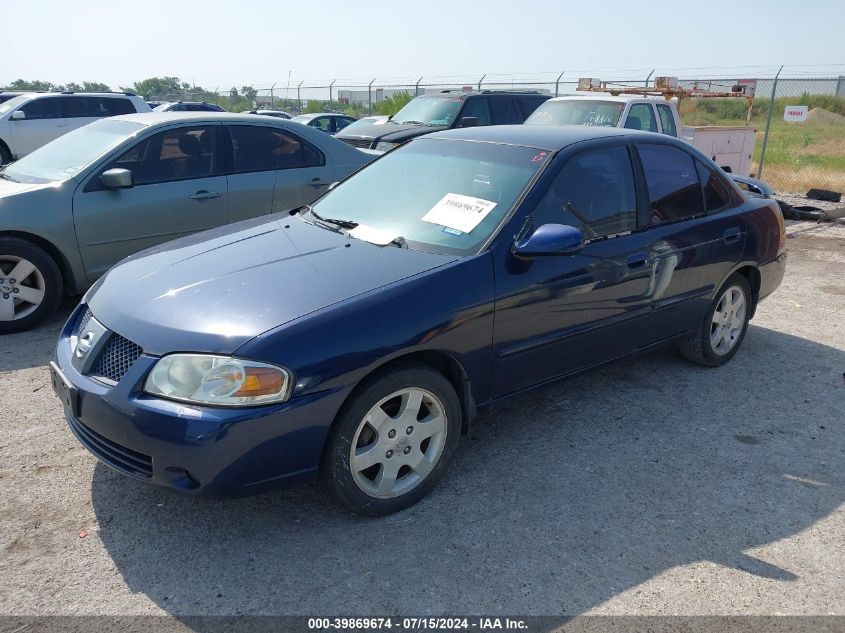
(117, 179)
(550, 239)
(469, 121)
(18, 115)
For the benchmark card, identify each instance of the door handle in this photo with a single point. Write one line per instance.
(637, 260)
(202, 194)
(731, 235)
(318, 182)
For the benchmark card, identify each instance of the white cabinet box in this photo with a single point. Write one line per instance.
(731, 147)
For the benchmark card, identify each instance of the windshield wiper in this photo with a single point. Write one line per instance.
(6, 176)
(413, 123)
(343, 224)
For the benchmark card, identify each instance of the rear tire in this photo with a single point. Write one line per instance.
(392, 442)
(30, 285)
(725, 324)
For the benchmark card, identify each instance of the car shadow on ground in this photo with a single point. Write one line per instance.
(36, 347)
(553, 504)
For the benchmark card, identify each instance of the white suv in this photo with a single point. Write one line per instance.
(31, 120)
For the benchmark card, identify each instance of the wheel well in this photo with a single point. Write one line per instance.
(6, 147)
(52, 251)
(753, 276)
(440, 362)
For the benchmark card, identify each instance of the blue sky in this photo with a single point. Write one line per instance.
(222, 42)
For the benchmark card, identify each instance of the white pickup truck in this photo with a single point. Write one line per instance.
(730, 147)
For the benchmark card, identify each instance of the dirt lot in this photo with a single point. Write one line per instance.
(649, 487)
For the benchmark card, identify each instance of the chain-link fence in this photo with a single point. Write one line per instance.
(800, 121)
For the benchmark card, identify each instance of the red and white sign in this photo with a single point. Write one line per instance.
(795, 113)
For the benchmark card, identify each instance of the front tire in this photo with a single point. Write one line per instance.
(30, 285)
(392, 442)
(725, 324)
(5, 154)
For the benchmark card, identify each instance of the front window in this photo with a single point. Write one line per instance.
(69, 154)
(439, 195)
(577, 112)
(433, 111)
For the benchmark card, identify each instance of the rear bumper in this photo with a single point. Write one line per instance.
(771, 276)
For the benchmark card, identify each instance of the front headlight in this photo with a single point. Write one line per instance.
(218, 380)
(385, 146)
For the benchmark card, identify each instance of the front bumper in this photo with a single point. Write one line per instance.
(206, 451)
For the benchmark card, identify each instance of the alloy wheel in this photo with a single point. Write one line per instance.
(22, 287)
(398, 443)
(728, 320)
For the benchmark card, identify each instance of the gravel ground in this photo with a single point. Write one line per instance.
(651, 486)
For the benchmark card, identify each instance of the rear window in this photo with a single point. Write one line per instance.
(577, 112)
(99, 107)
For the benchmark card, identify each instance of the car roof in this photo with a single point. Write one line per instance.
(547, 137)
(313, 115)
(156, 118)
(40, 95)
(600, 97)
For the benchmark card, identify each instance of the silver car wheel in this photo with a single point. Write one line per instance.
(398, 443)
(22, 287)
(728, 320)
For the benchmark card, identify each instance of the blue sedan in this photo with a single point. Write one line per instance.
(356, 339)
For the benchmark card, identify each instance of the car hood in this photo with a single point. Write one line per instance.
(214, 291)
(9, 188)
(391, 132)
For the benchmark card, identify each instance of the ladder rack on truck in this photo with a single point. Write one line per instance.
(669, 88)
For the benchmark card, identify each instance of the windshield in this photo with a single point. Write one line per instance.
(68, 154)
(439, 195)
(12, 103)
(439, 110)
(577, 112)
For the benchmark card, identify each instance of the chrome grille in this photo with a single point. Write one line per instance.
(358, 142)
(116, 359)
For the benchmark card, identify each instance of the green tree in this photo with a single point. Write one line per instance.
(158, 87)
(95, 86)
(24, 84)
(395, 102)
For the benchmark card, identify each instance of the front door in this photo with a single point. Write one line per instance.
(559, 314)
(179, 188)
(42, 123)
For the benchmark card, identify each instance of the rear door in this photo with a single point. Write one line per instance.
(253, 155)
(43, 122)
(505, 111)
(528, 104)
(81, 110)
(180, 188)
(695, 233)
(303, 171)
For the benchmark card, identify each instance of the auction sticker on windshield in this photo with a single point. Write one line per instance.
(459, 212)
